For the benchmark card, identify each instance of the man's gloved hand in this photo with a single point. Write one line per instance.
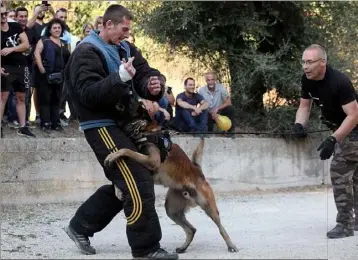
(155, 85)
(327, 147)
(299, 131)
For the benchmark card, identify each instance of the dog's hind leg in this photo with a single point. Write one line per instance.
(208, 204)
(176, 205)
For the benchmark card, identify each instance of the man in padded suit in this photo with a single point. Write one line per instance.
(98, 76)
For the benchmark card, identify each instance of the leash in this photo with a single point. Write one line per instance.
(246, 133)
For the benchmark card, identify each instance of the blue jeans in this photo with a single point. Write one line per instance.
(189, 123)
(159, 116)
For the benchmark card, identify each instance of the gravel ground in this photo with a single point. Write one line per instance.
(263, 226)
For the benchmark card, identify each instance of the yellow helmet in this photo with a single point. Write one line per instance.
(223, 122)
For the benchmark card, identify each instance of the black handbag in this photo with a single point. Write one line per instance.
(56, 77)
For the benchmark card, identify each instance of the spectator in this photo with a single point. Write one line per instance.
(98, 23)
(86, 29)
(62, 14)
(22, 19)
(219, 101)
(189, 116)
(162, 115)
(171, 100)
(131, 39)
(51, 57)
(14, 43)
(36, 22)
(11, 16)
(168, 95)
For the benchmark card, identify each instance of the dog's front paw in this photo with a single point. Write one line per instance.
(110, 159)
(232, 249)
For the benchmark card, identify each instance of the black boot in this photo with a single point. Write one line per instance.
(81, 241)
(159, 254)
(340, 231)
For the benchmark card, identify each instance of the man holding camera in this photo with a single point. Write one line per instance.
(333, 92)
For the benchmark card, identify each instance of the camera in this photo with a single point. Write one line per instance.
(169, 90)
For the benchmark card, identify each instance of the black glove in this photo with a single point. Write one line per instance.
(327, 147)
(299, 131)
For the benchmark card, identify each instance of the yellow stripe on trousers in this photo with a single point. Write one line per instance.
(128, 177)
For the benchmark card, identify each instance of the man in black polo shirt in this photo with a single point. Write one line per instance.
(333, 92)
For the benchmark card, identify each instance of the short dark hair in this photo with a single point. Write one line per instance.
(20, 9)
(187, 79)
(51, 23)
(64, 10)
(116, 13)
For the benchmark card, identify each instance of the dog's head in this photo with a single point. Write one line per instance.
(152, 126)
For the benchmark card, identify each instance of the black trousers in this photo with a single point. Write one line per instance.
(136, 183)
(228, 111)
(49, 96)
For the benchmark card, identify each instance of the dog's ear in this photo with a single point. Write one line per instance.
(198, 153)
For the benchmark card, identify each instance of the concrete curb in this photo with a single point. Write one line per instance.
(65, 169)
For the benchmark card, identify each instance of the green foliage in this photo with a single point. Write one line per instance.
(335, 25)
(258, 44)
(254, 46)
(30, 5)
(85, 11)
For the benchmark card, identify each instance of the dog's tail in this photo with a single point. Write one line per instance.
(198, 153)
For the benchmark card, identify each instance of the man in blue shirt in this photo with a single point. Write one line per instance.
(191, 109)
(219, 101)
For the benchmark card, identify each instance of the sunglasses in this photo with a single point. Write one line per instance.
(4, 14)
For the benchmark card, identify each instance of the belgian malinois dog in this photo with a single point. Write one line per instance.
(187, 185)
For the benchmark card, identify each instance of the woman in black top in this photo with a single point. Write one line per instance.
(51, 57)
